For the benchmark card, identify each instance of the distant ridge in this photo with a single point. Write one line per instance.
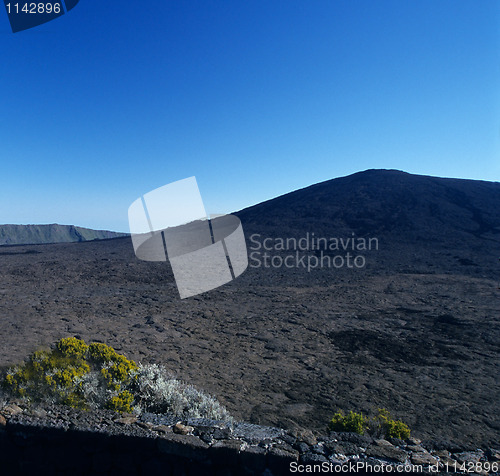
(42, 234)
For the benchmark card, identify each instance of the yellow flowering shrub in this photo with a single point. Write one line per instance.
(95, 376)
(121, 402)
(58, 375)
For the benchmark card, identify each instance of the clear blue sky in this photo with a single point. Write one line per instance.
(254, 98)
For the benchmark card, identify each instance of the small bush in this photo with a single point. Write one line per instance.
(95, 376)
(159, 392)
(50, 374)
(382, 425)
(353, 422)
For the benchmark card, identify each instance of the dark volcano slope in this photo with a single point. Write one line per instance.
(389, 201)
(416, 331)
(424, 223)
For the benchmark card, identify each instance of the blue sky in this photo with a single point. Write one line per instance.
(255, 99)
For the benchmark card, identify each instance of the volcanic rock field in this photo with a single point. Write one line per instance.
(415, 330)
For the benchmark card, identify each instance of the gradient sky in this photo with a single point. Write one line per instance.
(254, 98)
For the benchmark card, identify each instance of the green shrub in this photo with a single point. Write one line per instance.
(96, 376)
(382, 425)
(353, 422)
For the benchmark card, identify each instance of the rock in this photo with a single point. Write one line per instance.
(469, 456)
(286, 447)
(183, 446)
(312, 458)
(318, 449)
(221, 433)
(423, 459)
(343, 448)
(207, 424)
(337, 463)
(11, 409)
(306, 436)
(416, 449)
(413, 441)
(493, 454)
(360, 440)
(302, 447)
(383, 443)
(397, 442)
(181, 429)
(278, 458)
(38, 413)
(449, 462)
(226, 451)
(127, 420)
(289, 439)
(253, 458)
(442, 454)
(385, 450)
(265, 443)
(159, 419)
(145, 425)
(162, 429)
(206, 437)
(3, 422)
(255, 433)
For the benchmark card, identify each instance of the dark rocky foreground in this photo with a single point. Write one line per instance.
(58, 440)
